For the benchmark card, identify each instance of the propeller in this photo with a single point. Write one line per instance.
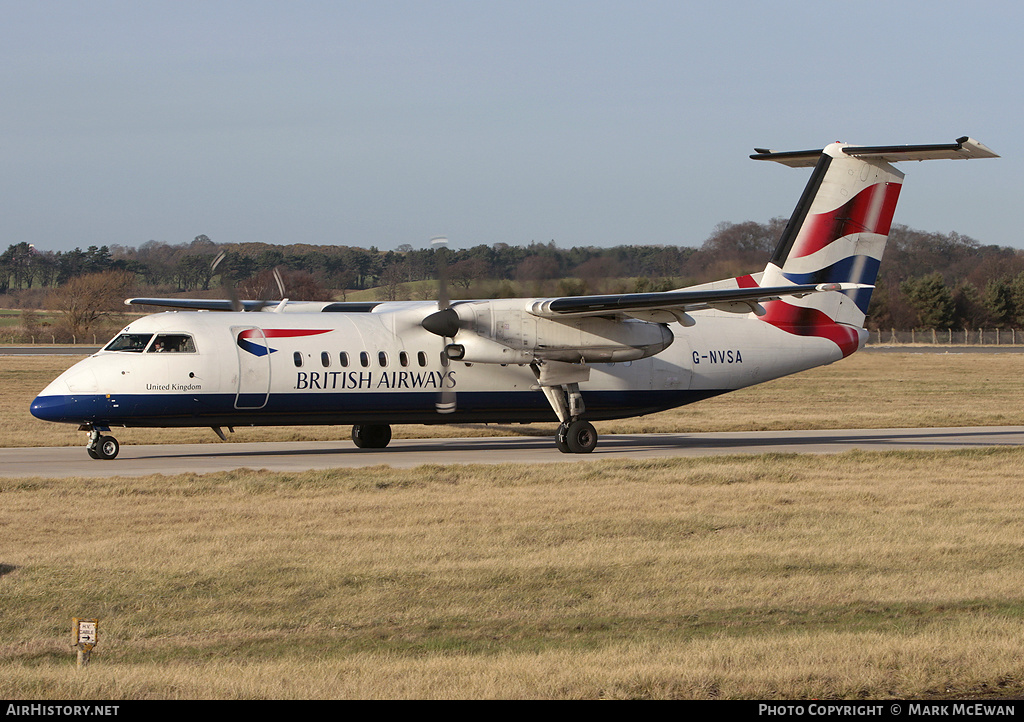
(280, 287)
(229, 287)
(445, 322)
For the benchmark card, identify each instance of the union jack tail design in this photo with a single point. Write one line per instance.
(837, 233)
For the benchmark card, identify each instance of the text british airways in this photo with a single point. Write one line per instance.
(340, 380)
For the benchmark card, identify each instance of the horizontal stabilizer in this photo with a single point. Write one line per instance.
(964, 148)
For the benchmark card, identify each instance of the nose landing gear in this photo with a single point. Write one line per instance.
(99, 446)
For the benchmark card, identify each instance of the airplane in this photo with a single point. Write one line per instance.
(574, 360)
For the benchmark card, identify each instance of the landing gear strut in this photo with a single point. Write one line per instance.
(560, 382)
(371, 436)
(101, 447)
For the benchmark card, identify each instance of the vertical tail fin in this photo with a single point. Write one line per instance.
(838, 231)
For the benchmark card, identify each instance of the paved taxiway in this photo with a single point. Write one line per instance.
(299, 456)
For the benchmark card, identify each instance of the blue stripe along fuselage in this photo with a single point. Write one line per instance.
(182, 410)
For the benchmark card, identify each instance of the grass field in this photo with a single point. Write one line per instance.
(857, 575)
(860, 575)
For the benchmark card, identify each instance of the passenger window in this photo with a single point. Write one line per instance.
(343, 357)
(382, 358)
(325, 359)
(444, 359)
(364, 359)
(403, 358)
(297, 357)
(421, 358)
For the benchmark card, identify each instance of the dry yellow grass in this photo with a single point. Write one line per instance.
(860, 575)
(867, 390)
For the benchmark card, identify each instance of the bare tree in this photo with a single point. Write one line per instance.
(84, 300)
(467, 272)
(596, 272)
(391, 279)
(298, 286)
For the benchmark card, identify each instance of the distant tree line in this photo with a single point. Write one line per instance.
(927, 280)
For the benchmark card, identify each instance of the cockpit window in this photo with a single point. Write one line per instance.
(134, 342)
(172, 343)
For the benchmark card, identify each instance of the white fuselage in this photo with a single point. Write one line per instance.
(381, 366)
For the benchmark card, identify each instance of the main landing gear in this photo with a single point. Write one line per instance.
(576, 437)
(560, 382)
(371, 436)
(99, 446)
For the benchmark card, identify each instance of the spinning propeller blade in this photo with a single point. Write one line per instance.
(445, 403)
(229, 287)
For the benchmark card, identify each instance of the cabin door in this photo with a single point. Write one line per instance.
(253, 367)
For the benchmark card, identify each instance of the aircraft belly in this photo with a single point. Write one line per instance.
(302, 409)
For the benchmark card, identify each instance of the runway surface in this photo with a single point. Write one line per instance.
(142, 460)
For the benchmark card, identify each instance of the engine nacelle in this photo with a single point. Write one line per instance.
(476, 349)
(504, 331)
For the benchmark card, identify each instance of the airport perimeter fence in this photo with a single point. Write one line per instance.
(52, 339)
(948, 337)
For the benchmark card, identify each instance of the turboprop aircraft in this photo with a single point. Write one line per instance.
(574, 360)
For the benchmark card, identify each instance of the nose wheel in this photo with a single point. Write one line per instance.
(102, 447)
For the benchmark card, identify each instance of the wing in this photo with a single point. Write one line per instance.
(196, 304)
(648, 306)
(204, 304)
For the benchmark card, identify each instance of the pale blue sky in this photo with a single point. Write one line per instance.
(389, 122)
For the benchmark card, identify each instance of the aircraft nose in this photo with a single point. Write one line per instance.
(49, 408)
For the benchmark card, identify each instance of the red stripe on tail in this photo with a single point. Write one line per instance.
(801, 321)
(864, 213)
